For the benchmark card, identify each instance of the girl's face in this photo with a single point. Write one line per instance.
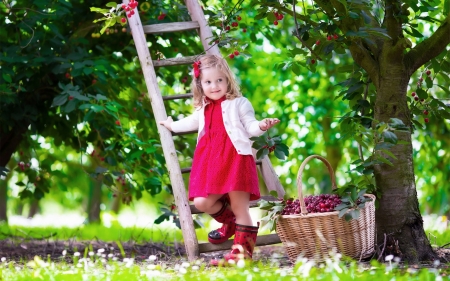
(214, 83)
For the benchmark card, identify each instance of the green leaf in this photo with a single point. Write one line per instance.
(262, 153)
(7, 78)
(384, 160)
(60, 100)
(390, 137)
(421, 93)
(100, 170)
(111, 4)
(355, 214)
(389, 153)
(342, 212)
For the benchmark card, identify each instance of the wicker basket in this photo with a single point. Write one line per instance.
(315, 235)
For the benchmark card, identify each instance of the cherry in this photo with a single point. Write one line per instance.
(426, 120)
(70, 97)
(335, 36)
(231, 56)
(275, 22)
(416, 98)
(238, 18)
(161, 16)
(94, 81)
(236, 53)
(420, 79)
(413, 94)
(67, 75)
(428, 72)
(234, 24)
(280, 16)
(313, 61)
(227, 28)
(318, 42)
(134, 109)
(124, 30)
(117, 122)
(425, 112)
(123, 20)
(102, 159)
(244, 30)
(329, 37)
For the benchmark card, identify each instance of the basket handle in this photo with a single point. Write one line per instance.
(299, 179)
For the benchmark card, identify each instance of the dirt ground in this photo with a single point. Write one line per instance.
(22, 250)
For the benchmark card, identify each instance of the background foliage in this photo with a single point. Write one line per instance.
(80, 100)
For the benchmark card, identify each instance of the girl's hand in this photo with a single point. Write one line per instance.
(167, 123)
(268, 123)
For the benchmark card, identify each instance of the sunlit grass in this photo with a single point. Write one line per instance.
(98, 267)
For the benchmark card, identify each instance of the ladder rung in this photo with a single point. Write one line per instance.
(177, 97)
(183, 133)
(188, 170)
(262, 240)
(174, 61)
(253, 203)
(170, 27)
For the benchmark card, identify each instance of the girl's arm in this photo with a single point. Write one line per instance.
(189, 123)
(251, 124)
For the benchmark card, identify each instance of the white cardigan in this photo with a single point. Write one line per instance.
(238, 118)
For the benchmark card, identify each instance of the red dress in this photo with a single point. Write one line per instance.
(217, 168)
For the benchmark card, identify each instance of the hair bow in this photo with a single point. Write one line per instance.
(197, 68)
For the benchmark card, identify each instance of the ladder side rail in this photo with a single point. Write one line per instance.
(186, 222)
(270, 177)
(196, 12)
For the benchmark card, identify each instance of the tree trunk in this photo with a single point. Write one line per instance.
(95, 196)
(3, 200)
(398, 216)
(34, 208)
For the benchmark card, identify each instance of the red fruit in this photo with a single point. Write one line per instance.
(238, 18)
(94, 81)
(227, 28)
(236, 53)
(68, 75)
(416, 98)
(318, 42)
(103, 158)
(313, 61)
(124, 6)
(420, 79)
(234, 24)
(275, 22)
(114, 195)
(329, 37)
(231, 56)
(123, 20)
(161, 16)
(335, 36)
(426, 120)
(117, 122)
(280, 16)
(428, 72)
(413, 94)
(70, 97)
(129, 15)
(244, 30)
(134, 109)
(425, 112)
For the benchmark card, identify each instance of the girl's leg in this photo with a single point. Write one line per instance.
(239, 201)
(210, 204)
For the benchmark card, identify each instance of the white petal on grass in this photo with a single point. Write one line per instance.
(195, 267)
(3, 259)
(91, 254)
(389, 258)
(100, 250)
(64, 252)
(183, 270)
(110, 255)
(185, 264)
(152, 257)
(76, 254)
(241, 263)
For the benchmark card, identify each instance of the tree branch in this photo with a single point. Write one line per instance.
(392, 19)
(429, 48)
(363, 58)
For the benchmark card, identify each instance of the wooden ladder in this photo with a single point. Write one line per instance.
(193, 248)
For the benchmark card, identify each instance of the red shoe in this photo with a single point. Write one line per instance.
(225, 216)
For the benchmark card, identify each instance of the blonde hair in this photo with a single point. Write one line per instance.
(207, 61)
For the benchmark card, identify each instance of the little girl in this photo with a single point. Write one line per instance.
(223, 177)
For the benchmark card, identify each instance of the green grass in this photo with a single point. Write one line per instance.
(89, 265)
(152, 269)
